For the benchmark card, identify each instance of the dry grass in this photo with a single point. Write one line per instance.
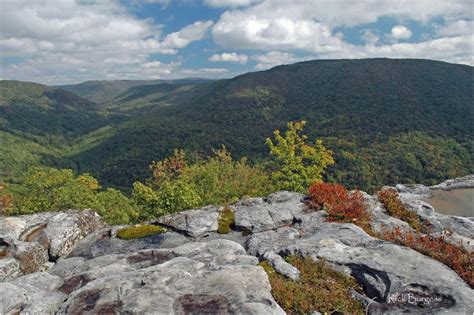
(319, 288)
(391, 201)
(454, 256)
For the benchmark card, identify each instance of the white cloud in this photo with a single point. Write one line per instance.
(229, 57)
(186, 35)
(400, 32)
(56, 37)
(369, 37)
(308, 26)
(229, 3)
(272, 59)
(459, 27)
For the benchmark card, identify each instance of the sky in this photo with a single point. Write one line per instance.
(70, 41)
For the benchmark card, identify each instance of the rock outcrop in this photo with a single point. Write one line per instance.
(193, 269)
(32, 243)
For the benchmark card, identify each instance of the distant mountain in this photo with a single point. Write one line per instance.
(387, 120)
(105, 91)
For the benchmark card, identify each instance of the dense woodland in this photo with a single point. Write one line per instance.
(387, 121)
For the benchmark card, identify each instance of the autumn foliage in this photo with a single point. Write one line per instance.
(391, 201)
(319, 288)
(453, 255)
(341, 205)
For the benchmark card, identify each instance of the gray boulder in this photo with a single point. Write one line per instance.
(260, 214)
(35, 241)
(192, 222)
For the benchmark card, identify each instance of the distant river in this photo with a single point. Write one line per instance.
(453, 202)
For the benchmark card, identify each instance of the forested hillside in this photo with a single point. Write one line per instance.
(387, 120)
(38, 124)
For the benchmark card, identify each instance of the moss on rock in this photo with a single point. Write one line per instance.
(139, 231)
(226, 220)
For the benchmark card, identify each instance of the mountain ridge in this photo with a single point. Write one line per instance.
(413, 115)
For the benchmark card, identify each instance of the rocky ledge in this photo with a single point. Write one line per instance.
(69, 262)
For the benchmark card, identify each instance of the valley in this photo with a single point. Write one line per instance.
(386, 120)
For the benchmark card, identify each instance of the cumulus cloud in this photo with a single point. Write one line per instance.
(308, 26)
(459, 27)
(400, 32)
(84, 39)
(55, 41)
(272, 59)
(229, 57)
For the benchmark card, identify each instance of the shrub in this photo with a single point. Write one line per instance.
(226, 220)
(147, 201)
(341, 205)
(454, 256)
(391, 201)
(296, 164)
(115, 207)
(221, 180)
(169, 168)
(319, 288)
(139, 231)
(49, 189)
(217, 180)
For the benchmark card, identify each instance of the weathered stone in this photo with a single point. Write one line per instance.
(193, 269)
(32, 257)
(65, 229)
(382, 268)
(192, 222)
(439, 222)
(227, 279)
(101, 243)
(259, 214)
(67, 267)
(456, 183)
(281, 266)
(381, 220)
(31, 294)
(36, 240)
(9, 268)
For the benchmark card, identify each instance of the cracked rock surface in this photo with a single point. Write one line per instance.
(191, 269)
